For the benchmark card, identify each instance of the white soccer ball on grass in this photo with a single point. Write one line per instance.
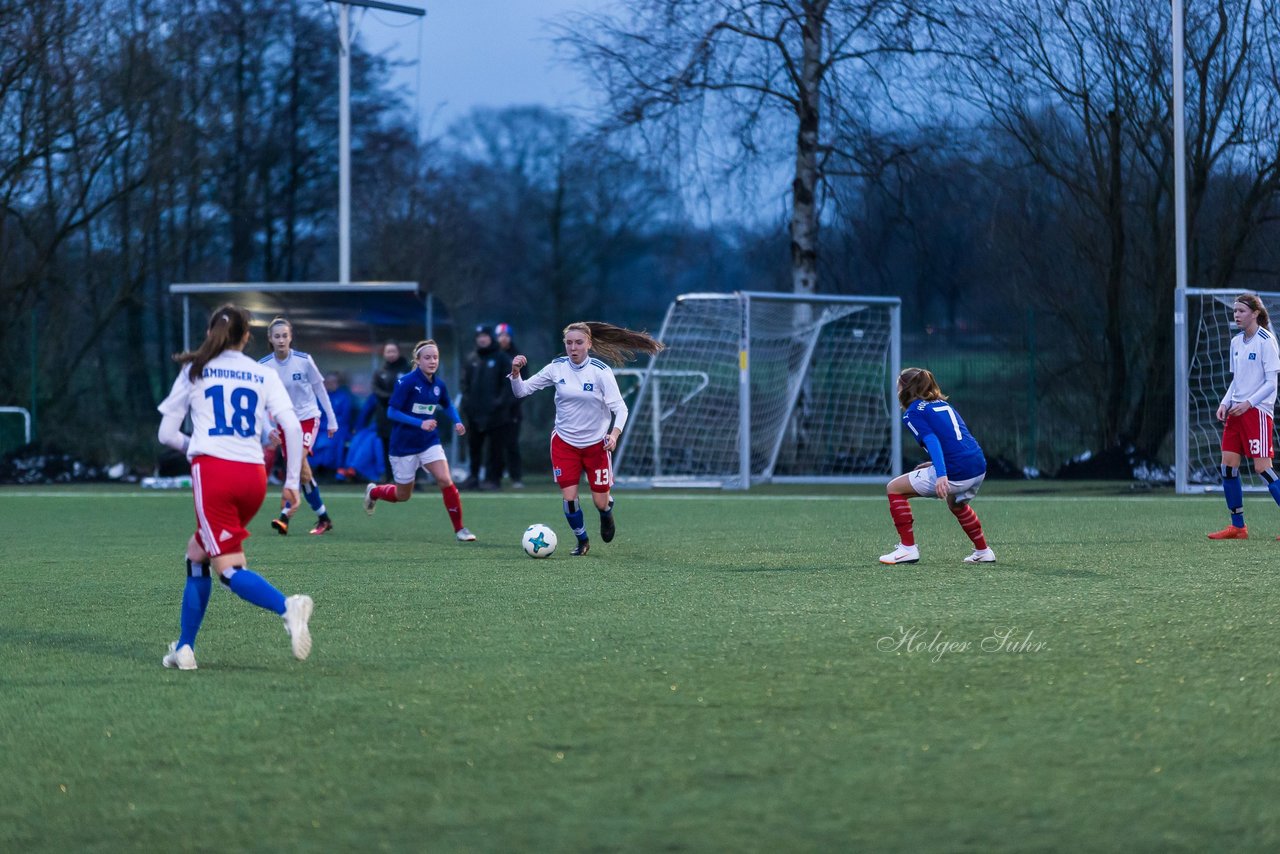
(538, 541)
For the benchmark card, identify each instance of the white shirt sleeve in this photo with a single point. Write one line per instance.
(1266, 392)
(171, 433)
(613, 399)
(542, 379)
(322, 394)
(173, 410)
(1270, 364)
(280, 406)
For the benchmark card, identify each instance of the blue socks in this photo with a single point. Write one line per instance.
(1234, 493)
(573, 513)
(1273, 483)
(195, 599)
(253, 588)
(311, 492)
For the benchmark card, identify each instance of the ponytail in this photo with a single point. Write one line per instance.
(614, 343)
(228, 326)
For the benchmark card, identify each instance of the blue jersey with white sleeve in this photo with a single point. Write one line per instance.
(417, 398)
(941, 431)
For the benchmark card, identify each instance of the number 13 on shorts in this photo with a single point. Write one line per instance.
(603, 477)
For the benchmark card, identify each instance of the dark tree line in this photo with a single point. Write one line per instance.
(976, 159)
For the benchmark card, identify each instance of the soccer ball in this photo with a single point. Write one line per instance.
(538, 541)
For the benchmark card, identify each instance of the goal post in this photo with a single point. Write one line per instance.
(1203, 329)
(767, 387)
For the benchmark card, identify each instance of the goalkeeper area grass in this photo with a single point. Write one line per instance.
(735, 672)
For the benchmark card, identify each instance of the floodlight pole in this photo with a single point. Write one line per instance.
(344, 122)
(1181, 406)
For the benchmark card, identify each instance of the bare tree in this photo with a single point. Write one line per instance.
(1082, 89)
(746, 85)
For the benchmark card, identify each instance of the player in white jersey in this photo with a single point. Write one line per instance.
(1247, 410)
(229, 397)
(590, 415)
(305, 385)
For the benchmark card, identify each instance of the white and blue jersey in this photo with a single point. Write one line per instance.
(941, 431)
(588, 402)
(304, 382)
(417, 398)
(1254, 363)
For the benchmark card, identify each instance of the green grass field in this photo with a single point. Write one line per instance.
(726, 676)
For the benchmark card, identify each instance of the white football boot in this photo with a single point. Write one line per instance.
(981, 556)
(183, 658)
(297, 611)
(465, 536)
(902, 554)
(369, 500)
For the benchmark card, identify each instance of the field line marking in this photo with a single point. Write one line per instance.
(625, 495)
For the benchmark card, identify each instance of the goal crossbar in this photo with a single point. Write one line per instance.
(755, 386)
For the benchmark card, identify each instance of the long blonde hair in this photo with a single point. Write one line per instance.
(614, 343)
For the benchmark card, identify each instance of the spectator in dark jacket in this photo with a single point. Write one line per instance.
(394, 366)
(485, 395)
(510, 432)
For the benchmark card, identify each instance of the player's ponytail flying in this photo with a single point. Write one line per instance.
(614, 343)
(228, 326)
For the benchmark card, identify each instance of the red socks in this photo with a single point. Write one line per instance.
(452, 503)
(969, 521)
(900, 510)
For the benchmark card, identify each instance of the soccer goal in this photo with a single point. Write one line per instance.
(1204, 327)
(764, 387)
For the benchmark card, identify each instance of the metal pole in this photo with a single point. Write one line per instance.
(34, 326)
(656, 419)
(1181, 414)
(744, 393)
(895, 368)
(344, 143)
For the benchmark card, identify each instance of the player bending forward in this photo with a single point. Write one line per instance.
(956, 469)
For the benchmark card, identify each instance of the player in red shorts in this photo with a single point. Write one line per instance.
(229, 397)
(305, 385)
(590, 415)
(1247, 410)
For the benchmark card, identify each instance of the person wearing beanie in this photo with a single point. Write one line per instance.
(483, 409)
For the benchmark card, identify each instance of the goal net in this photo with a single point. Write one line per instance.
(759, 387)
(1203, 372)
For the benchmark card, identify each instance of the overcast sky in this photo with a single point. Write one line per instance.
(476, 53)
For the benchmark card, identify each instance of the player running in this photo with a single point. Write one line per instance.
(1247, 409)
(305, 385)
(420, 396)
(956, 469)
(229, 396)
(590, 415)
